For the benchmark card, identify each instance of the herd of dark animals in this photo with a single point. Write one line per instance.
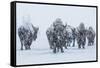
(58, 35)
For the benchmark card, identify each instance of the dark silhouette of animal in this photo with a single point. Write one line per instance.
(27, 33)
(55, 36)
(81, 36)
(90, 36)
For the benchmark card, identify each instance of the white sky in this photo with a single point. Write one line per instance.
(45, 14)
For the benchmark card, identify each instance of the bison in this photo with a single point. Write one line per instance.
(90, 36)
(27, 33)
(81, 36)
(55, 36)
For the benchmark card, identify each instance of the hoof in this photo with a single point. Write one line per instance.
(62, 51)
(21, 49)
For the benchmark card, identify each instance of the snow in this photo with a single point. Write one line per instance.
(43, 54)
(43, 16)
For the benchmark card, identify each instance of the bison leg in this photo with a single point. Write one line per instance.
(62, 49)
(83, 45)
(58, 49)
(27, 47)
(65, 46)
(50, 43)
(93, 42)
(73, 42)
(54, 49)
(79, 46)
(21, 45)
(51, 46)
(89, 43)
(68, 44)
(28, 44)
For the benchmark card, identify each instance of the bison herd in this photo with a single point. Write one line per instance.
(59, 36)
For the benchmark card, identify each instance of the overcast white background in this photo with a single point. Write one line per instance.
(5, 33)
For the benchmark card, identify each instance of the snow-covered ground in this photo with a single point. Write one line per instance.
(41, 54)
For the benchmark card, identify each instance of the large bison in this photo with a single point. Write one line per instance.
(81, 35)
(90, 36)
(56, 37)
(27, 33)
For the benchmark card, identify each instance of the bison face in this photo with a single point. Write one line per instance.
(35, 34)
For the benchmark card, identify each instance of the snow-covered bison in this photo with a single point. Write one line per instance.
(27, 33)
(90, 36)
(60, 35)
(70, 35)
(56, 37)
(81, 35)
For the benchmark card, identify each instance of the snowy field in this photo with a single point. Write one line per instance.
(41, 54)
(45, 55)
(43, 16)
